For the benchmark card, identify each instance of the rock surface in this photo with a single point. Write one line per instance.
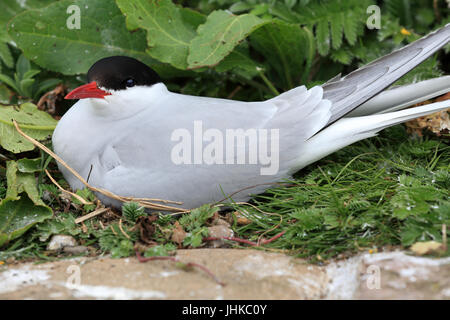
(59, 242)
(248, 274)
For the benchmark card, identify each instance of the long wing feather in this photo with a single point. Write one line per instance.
(347, 93)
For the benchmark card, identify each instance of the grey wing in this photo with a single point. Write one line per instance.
(347, 93)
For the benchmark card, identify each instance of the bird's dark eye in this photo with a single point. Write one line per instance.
(130, 83)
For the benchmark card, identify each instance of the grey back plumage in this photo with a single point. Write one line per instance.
(347, 93)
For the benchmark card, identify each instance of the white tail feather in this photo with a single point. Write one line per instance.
(402, 97)
(349, 130)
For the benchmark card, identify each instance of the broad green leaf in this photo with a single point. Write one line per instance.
(19, 182)
(286, 47)
(5, 94)
(29, 165)
(192, 17)
(218, 37)
(5, 55)
(45, 38)
(240, 62)
(10, 8)
(168, 33)
(259, 9)
(22, 207)
(17, 216)
(35, 123)
(240, 7)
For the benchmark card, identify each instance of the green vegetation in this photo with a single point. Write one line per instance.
(391, 190)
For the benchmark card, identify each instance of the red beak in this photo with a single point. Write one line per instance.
(89, 90)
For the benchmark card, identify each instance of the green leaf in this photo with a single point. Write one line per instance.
(23, 66)
(351, 28)
(26, 86)
(124, 248)
(218, 37)
(45, 85)
(400, 9)
(10, 8)
(64, 223)
(240, 62)
(22, 207)
(240, 7)
(195, 237)
(259, 9)
(33, 122)
(5, 94)
(87, 195)
(112, 239)
(337, 29)
(323, 37)
(43, 35)
(19, 182)
(283, 12)
(342, 55)
(9, 82)
(308, 219)
(290, 3)
(197, 217)
(29, 165)
(30, 74)
(168, 33)
(131, 211)
(17, 216)
(286, 47)
(192, 17)
(410, 234)
(5, 55)
(346, 17)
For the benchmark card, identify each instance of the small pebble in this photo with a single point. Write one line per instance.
(58, 242)
(76, 249)
(219, 231)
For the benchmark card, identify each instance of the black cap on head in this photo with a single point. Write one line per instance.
(119, 72)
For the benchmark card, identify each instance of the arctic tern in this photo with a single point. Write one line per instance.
(126, 131)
